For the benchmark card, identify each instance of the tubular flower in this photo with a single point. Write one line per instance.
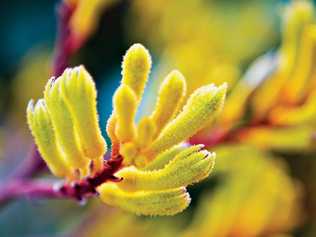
(153, 164)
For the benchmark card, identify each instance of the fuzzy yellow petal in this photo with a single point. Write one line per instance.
(135, 68)
(204, 103)
(63, 126)
(42, 130)
(79, 92)
(154, 203)
(171, 94)
(187, 167)
(125, 106)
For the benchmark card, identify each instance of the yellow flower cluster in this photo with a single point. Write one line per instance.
(157, 165)
(200, 37)
(65, 125)
(280, 88)
(292, 83)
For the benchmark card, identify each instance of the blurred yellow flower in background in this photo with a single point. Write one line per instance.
(283, 104)
(206, 40)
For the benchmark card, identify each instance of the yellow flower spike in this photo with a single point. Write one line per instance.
(135, 68)
(188, 167)
(145, 132)
(296, 87)
(42, 130)
(171, 94)
(155, 203)
(63, 126)
(297, 16)
(125, 106)
(202, 105)
(79, 93)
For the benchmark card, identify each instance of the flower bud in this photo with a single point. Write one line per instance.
(135, 68)
(125, 106)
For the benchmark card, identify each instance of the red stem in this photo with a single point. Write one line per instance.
(35, 189)
(27, 189)
(32, 165)
(64, 48)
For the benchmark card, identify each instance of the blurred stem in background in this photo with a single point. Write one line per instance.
(33, 163)
(75, 25)
(64, 48)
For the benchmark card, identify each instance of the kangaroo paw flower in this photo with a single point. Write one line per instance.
(150, 164)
